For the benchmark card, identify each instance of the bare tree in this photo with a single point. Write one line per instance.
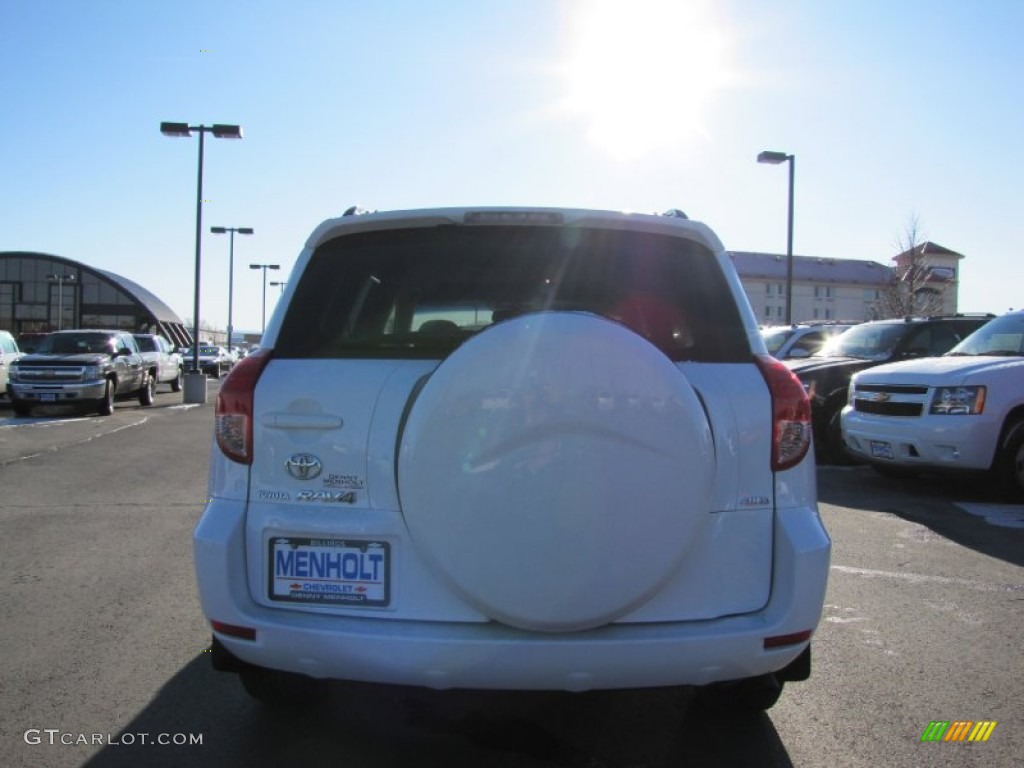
(910, 289)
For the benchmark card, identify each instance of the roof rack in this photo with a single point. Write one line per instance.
(675, 213)
(355, 210)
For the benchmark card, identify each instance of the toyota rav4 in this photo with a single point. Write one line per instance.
(513, 449)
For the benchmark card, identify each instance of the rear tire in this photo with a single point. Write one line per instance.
(105, 407)
(178, 381)
(283, 690)
(1010, 461)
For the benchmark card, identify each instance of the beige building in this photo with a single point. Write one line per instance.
(851, 290)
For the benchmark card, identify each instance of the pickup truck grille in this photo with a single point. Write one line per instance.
(893, 400)
(888, 409)
(50, 374)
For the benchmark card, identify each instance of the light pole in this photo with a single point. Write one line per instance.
(231, 267)
(774, 158)
(195, 382)
(264, 267)
(279, 284)
(60, 277)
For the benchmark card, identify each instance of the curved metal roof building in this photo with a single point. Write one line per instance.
(40, 292)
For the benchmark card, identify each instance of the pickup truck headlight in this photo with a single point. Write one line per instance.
(13, 372)
(958, 401)
(91, 372)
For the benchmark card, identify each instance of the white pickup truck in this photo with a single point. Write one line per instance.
(963, 410)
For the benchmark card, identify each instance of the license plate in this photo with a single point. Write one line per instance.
(330, 571)
(881, 450)
(48, 397)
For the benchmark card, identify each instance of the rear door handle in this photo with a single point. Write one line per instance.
(288, 420)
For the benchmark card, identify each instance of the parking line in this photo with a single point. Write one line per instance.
(922, 578)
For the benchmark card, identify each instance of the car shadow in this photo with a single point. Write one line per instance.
(373, 725)
(928, 500)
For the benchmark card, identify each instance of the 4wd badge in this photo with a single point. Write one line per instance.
(303, 466)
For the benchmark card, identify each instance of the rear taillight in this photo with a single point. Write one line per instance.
(233, 414)
(791, 413)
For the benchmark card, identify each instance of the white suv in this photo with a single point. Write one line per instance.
(963, 410)
(513, 449)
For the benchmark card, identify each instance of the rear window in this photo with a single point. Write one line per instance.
(422, 292)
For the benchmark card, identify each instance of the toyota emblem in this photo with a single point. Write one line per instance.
(303, 466)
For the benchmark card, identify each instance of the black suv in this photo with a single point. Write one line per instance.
(826, 375)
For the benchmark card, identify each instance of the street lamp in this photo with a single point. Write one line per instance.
(264, 267)
(774, 158)
(231, 267)
(279, 284)
(195, 383)
(60, 277)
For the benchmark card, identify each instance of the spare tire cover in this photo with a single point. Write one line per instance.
(552, 471)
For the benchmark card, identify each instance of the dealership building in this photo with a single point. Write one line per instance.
(40, 292)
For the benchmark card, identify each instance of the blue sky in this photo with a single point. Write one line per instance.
(892, 109)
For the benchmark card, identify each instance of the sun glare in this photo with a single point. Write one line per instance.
(641, 74)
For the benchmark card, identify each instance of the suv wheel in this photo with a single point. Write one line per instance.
(106, 403)
(178, 380)
(146, 393)
(1010, 461)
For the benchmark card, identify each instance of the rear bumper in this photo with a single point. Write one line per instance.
(494, 656)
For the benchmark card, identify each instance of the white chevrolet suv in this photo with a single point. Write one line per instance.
(513, 449)
(963, 410)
